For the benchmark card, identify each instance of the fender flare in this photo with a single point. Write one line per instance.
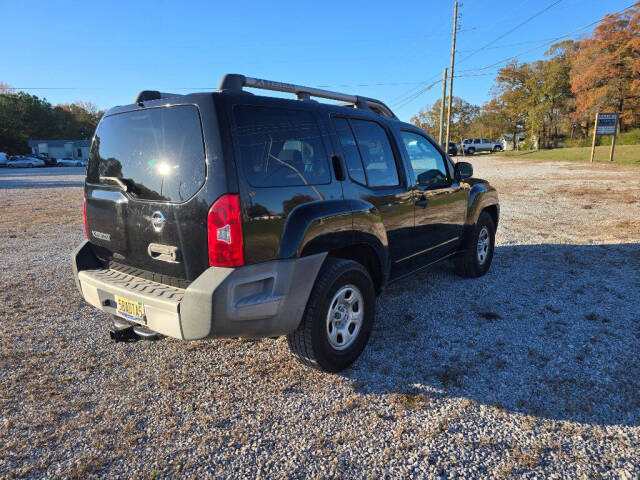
(481, 196)
(317, 227)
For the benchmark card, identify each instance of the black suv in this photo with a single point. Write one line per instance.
(229, 214)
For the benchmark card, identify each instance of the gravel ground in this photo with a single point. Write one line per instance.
(531, 371)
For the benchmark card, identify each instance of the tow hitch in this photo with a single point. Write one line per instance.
(122, 331)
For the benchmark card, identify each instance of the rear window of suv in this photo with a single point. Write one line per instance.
(157, 153)
(280, 147)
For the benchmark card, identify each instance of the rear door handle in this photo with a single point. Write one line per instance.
(423, 201)
(337, 168)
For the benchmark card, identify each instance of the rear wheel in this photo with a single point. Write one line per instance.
(478, 254)
(338, 318)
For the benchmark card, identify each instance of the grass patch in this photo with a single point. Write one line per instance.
(624, 154)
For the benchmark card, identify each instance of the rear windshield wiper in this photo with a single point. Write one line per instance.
(124, 183)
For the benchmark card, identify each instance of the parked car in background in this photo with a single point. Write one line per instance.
(25, 162)
(4, 158)
(473, 145)
(71, 162)
(48, 161)
(453, 149)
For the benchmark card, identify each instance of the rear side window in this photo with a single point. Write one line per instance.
(376, 153)
(350, 150)
(157, 153)
(280, 147)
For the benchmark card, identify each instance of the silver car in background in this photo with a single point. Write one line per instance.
(473, 145)
(71, 162)
(25, 162)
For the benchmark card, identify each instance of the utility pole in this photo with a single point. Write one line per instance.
(444, 99)
(453, 58)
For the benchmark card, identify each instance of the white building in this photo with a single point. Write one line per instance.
(76, 149)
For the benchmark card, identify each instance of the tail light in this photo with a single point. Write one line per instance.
(224, 230)
(84, 216)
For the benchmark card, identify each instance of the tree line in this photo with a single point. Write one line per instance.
(24, 116)
(556, 98)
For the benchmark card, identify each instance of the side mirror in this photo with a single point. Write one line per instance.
(463, 170)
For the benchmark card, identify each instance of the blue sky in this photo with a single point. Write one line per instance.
(105, 52)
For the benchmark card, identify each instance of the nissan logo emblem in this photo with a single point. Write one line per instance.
(158, 221)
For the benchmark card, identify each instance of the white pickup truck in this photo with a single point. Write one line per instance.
(473, 145)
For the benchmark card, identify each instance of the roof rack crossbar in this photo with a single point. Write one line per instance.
(235, 82)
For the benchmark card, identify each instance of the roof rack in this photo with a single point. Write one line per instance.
(235, 82)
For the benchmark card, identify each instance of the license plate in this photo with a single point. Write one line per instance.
(129, 309)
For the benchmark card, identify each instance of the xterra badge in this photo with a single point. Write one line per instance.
(101, 235)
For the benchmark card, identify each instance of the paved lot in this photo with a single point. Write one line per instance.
(530, 371)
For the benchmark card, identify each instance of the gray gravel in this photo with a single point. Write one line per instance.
(531, 371)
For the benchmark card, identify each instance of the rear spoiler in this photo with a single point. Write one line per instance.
(146, 95)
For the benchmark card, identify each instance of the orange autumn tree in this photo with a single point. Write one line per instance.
(605, 70)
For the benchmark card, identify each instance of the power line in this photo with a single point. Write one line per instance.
(423, 87)
(573, 32)
(511, 30)
(500, 20)
(412, 97)
(507, 45)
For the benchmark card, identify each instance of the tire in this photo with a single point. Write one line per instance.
(471, 151)
(471, 264)
(318, 342)
(30, 165)
(497, 148)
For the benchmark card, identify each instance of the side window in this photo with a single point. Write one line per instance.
(377, 156)
(350, 150)
(280, 147)
(476, 140)
(427, 162)
(485, 140)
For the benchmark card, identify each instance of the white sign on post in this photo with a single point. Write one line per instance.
(607, 124)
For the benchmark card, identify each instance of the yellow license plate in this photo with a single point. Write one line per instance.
(129, 309)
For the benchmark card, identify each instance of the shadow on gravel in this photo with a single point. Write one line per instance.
(551, 331)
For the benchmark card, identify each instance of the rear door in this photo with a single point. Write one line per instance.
(376, 176)
(147, 194)
(282, 162)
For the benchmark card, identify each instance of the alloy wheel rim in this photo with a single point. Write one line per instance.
(344, 318)
(483, 245)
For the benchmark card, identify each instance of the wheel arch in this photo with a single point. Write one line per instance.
(349, 229)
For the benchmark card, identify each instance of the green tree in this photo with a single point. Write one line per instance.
(463, 115)
(24, 117)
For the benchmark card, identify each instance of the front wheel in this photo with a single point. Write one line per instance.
(497, 148)
(338, 318)
(471, 151)
(478, 254)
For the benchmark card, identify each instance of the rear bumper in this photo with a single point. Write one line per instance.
(267, 299)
